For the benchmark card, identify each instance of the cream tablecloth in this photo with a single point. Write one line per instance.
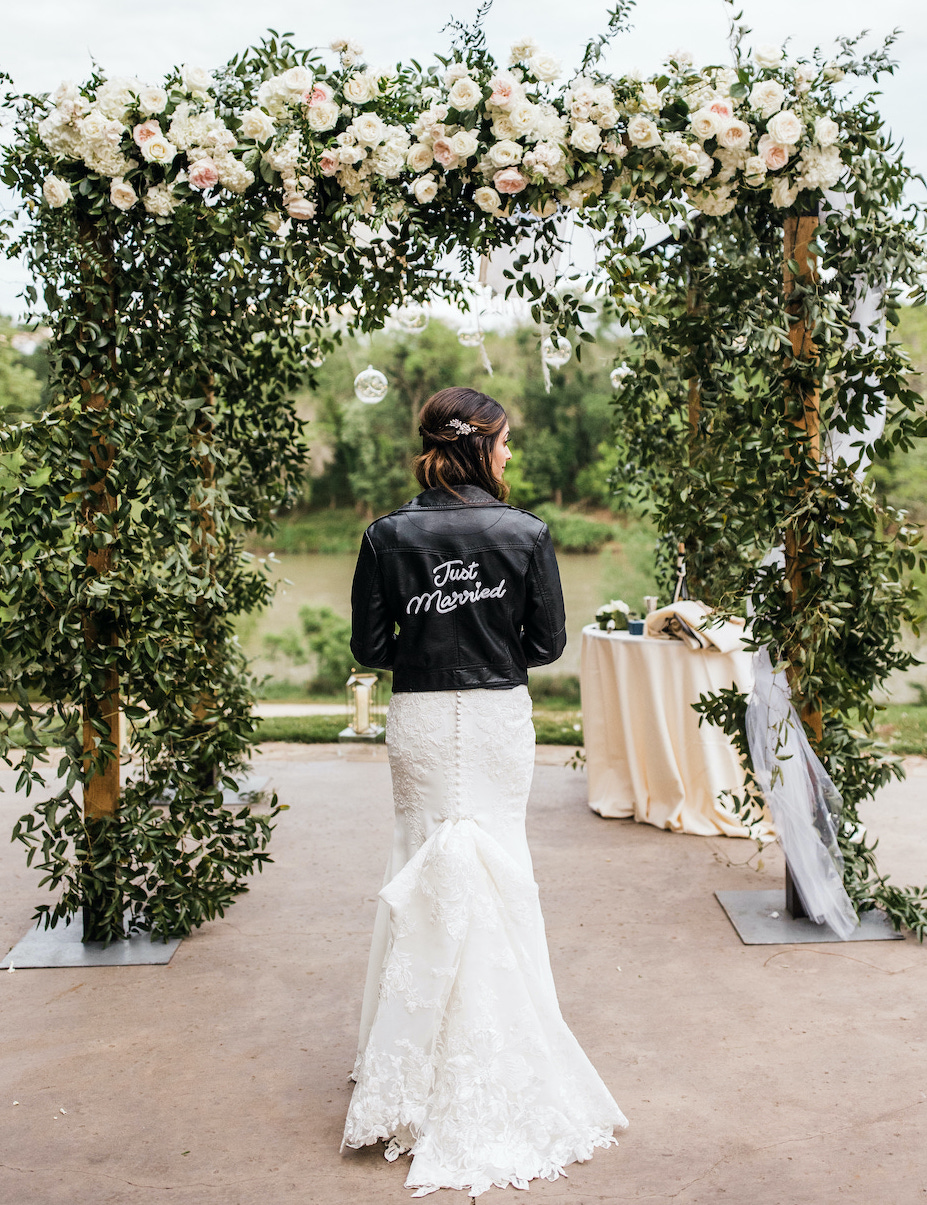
(646, 755)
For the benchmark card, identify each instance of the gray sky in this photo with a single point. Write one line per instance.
(45, 41)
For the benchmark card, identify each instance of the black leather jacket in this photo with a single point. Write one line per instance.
(472, 587)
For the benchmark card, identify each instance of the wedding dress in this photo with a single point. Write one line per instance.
(464, 1058)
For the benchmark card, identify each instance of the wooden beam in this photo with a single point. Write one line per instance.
(804, 411)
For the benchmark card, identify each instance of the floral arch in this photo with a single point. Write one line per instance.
(194, 241)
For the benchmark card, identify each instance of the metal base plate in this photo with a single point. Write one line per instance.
(62, 947)
(362, 738)
(761, 919)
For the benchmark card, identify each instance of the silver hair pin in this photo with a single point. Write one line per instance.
(460, 426)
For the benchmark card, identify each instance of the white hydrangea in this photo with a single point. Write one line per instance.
(755, 170)
(715, 202)
(107, 160)
(116, 97)
(61, 135)
(819, 167)
(233, 174)
(732, 162)
(274, 96)
(688, 155)
(651, 98)
(160, 201)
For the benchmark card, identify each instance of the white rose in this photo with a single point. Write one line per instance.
(643, 132)
(158, 150)
(826, 132)
(505, 153)
(608, 118)
(767, 97)
(465, 94)
(455, 72)
(522, 50)
(368, 128)
(502, 127)
(523, 118)
(586, 137)
(122, 195)
(195, 79)
(419, 157)
(767, 55)
(782, 195)
(785, 127)
(323, 116)
(735, 136)
(349, 155)
(704, 124)
(257, 125)
(755, 170)
(56, 192)
(544, 67)
(464, 144)
(684, 58)
(650, 98)
(804, 75)
(297, 79)
(360, 88)
(832, 73)
(93, 126)
(425, 189)
(487, 199)
(151, 100)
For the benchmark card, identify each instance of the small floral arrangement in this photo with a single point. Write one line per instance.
(613, 616)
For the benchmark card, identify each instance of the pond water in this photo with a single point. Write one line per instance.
(324, 579)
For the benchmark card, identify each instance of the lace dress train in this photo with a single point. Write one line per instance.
(464, 1058)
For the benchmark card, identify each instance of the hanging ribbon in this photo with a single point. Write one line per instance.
(804, 803)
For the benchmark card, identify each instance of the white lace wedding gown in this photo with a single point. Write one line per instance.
(464, 1058)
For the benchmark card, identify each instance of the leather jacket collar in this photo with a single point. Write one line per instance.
(470, 495)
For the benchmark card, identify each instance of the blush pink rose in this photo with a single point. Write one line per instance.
(204, 173)
(146, 130)
(503, 92)
(329, 163)
(509, 180)
(444, 152)
(773, 153)
(318, 94)
(722, 107)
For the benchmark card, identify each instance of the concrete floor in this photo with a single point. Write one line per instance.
(750, 1075)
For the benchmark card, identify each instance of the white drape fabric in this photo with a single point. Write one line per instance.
(464, 1058)
(801, 797)
(646, 755)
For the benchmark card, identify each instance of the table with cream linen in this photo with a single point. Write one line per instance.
(646, 755)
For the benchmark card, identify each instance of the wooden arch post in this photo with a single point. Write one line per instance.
(100, 709)
(804, 407)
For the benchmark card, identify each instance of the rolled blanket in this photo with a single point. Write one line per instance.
(695, 624)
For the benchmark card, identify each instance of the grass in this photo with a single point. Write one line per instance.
(903, 729)
(552, 727)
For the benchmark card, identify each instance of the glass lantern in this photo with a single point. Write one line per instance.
(361, 700)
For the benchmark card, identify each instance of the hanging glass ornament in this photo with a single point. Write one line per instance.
(370, 385)
(412, 318)
(619, 375)
(556, 351)
(469, 336)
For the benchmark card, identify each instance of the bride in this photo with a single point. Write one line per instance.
(464, 1059)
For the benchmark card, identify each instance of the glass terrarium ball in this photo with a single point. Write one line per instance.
(370, 385)
(412, 318)
(619, 375)
(469, 336)
(556, 351)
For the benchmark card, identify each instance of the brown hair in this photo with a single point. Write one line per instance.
(451, 458)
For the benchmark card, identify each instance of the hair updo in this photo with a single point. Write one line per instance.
(451, 457)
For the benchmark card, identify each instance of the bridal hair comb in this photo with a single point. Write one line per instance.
(460, 426)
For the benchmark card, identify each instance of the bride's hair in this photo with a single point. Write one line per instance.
(459, 428)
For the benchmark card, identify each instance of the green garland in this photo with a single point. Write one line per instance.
(185, 314)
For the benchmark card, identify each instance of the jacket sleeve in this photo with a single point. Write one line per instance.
(373, 640)
(543, 636)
